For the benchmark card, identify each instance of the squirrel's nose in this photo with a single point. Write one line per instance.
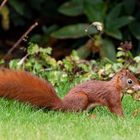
(136, 87)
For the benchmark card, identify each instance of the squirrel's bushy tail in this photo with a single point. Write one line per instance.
(25, 87)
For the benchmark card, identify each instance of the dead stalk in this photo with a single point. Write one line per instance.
(22, 37)
(3, 3)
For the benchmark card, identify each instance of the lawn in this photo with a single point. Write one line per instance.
(22, 122)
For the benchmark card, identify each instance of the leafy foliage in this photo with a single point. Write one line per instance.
(39, 61)
(71, 31)
(68, 19)
(114, 15)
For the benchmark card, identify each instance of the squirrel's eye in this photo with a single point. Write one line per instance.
(129, 81)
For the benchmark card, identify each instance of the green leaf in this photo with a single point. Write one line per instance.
(137, 59)
(95, 11)
(115, 12)
(113, 22)
(71, 8)
(33, 49)
(120, 60)
(108, 50)
(129, 6)
(135, 29)
(116, 33)
(120, 54)
(83, 52)
(72, 31)
(18, 6)
(120, 22)
(14, 64)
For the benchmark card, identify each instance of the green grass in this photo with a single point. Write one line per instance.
(22, 122)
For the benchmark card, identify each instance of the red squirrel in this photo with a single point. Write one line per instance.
(25, 87)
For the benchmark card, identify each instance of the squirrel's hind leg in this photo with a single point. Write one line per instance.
(75, 102)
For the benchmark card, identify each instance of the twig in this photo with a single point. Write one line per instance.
(22, 38)
(3, 3)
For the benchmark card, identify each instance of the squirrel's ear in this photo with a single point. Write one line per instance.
(123, 72)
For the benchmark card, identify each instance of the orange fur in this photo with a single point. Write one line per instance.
(23, 86)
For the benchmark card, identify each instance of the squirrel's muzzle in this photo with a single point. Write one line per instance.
(136, 87)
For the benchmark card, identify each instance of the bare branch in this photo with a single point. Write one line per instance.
(22, 38)
(2, 4)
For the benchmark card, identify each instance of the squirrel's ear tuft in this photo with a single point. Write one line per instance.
(124, 72)
(123, 69)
